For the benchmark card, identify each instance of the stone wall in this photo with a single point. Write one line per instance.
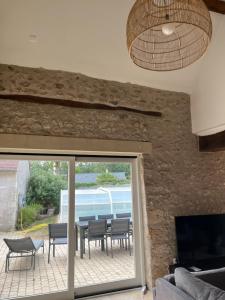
(178, 179)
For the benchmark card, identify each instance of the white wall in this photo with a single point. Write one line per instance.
(82, 36)
(8, 200)
(22, 177)
(12, 186)
(208, 98)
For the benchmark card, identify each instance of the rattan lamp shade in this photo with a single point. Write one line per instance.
(165, 35)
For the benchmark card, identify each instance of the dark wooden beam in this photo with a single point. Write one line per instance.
(217, 6)
(212, 143)
(80, 104)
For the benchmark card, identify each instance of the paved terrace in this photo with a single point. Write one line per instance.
(47, 278)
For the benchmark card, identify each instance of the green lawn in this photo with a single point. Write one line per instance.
(39, 229)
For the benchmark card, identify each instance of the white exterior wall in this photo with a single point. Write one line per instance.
(23, 174)
(8, 200)
(208, 98)
(13, 186)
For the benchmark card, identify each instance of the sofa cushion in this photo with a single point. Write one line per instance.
(167, 291)
(195, 287)
(170, 278)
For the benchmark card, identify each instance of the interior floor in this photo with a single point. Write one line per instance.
(132, 295)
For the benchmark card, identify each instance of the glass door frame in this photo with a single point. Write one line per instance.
(67, 294)
(139, 280)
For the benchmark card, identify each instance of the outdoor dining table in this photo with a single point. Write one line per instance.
(81, 227)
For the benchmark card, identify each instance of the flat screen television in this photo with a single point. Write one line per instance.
(200, 237)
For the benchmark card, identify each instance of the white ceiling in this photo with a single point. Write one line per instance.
(86, 36)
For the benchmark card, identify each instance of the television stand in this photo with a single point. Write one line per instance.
(200, 265)
(173, 267)
(195, 269)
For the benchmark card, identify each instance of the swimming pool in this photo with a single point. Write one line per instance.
(100, 201)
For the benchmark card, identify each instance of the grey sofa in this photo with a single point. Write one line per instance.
(190, 286)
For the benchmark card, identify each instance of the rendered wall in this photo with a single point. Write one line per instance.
(12, 190)
(208, 98)
(8, 200)
(22, 177)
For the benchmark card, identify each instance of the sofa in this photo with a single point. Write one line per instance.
(184, 285)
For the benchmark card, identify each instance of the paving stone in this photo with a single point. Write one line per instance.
(53, 277)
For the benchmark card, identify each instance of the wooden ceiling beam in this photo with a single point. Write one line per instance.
(80, 104)
(212, 143)
(217, 6)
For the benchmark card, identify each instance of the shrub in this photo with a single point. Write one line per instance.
(28, 215)
(79, 185)
(106, 178)
(44, 189)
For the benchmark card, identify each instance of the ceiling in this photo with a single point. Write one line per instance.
(85, 36)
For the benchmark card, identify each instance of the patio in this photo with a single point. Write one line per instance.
(48, 278)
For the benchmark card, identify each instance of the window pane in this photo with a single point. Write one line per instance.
(103, 192)
(30, 193)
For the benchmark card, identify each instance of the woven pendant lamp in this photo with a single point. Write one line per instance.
(165, 35)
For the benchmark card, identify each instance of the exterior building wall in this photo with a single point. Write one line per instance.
(8, 200)
(22, 177)
(178, 179)
(13, 186)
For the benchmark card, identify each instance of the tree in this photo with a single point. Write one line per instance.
(55, 167)
(106, 178)
(90, 167)
(44, 188)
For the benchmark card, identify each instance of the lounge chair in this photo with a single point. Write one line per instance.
(24, 247)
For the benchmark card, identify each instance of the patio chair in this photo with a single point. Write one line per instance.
(23, 247)
(120, 231)
(97, 231)
(123, 215)
(106, 217)
(57, 236)
(86, 218)
(126, 215)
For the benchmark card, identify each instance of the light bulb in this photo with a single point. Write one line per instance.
(168, 29)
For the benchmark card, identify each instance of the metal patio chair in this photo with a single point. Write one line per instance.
(120, 230)
(87, 218)
(126, 215)
(23, 247)
(106, 217)
(123, 215)
(97, 231)
(57, 236)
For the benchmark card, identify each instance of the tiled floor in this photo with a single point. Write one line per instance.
(47, 278)
(134, 295)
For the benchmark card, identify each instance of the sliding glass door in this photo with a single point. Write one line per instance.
(107, 216)
(69, 225)
(36, 248)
